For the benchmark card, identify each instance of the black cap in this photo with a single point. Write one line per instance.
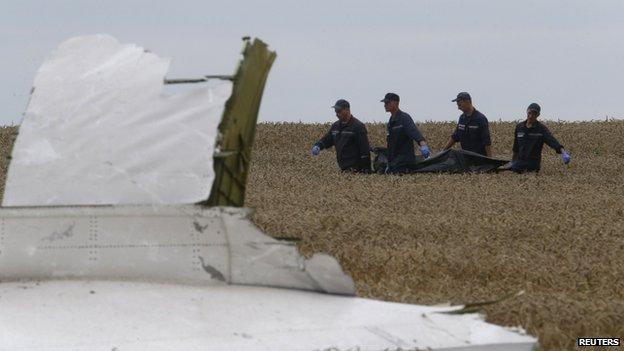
(462, 96)
(390, 97)
(534, 107)
(340, 104)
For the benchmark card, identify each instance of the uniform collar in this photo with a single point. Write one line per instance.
(535, 125)
(399, 112)
(474, 113)
(349, 122)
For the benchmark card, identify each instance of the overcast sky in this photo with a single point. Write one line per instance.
(565, 55)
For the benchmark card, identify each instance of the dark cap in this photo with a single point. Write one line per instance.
(462, 96)
(534, 107)
(340, 104)
(390, 97)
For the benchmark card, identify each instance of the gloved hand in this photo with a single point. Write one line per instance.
(566, 157)
(315, 150)
(424, 150)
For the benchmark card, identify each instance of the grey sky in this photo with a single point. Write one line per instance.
(566, 55)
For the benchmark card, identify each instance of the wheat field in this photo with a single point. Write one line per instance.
(555, 240)
(556, 237)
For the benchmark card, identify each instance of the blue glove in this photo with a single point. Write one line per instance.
(424, 150)
(315, 150)
(566, 157)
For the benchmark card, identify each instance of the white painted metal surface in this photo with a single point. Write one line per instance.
(99, 130)
(202, 250)
(186, 244)
(124, 316)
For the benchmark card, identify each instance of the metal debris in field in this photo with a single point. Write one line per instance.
(99, 130)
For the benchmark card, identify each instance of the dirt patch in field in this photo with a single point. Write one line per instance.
(431, 238)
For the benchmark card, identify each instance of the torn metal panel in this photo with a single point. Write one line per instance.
(139, 316)
(186, 244)
(238, 126)
(99, 130)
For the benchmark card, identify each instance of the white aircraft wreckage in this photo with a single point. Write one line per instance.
(122, 225)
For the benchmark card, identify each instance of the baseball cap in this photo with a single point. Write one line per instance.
(462, 96)
(534, 107)
(390, 97)
(340, 104)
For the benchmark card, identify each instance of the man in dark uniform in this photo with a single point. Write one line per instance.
(472, 130)
(401, 134)
(350, 138)
(529, 138)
